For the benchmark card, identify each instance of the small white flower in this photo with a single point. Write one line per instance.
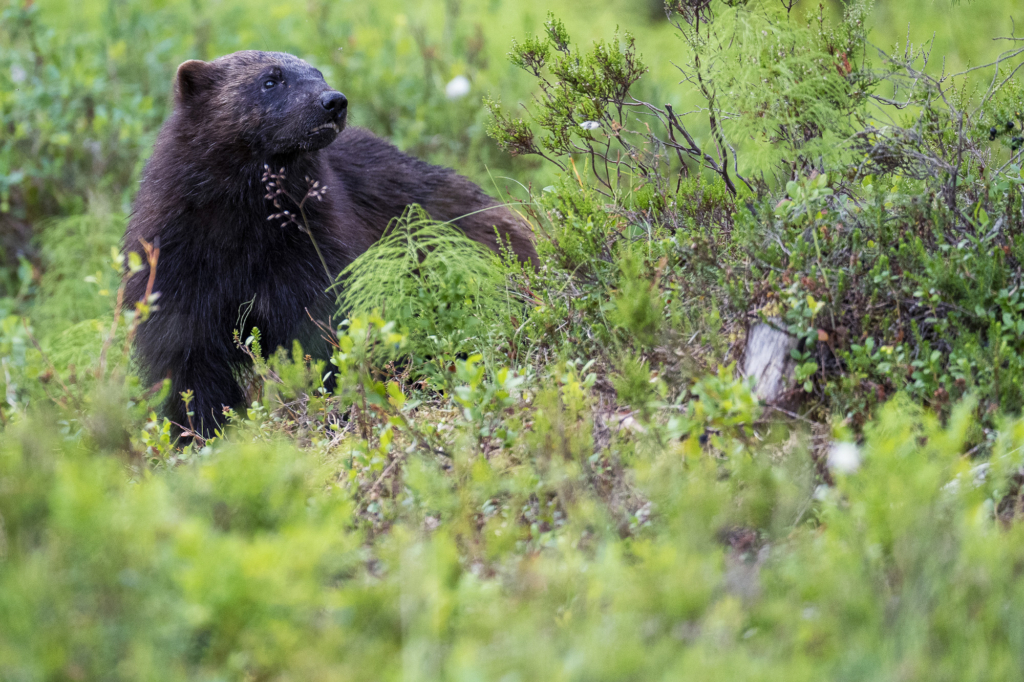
(18, 74)
(457, 88)
(590, 125)
(844, 458)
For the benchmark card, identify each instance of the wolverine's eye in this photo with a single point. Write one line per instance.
(267, 84)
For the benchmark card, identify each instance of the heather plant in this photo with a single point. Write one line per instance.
(796, 89)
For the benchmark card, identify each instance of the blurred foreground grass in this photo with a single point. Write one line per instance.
(252, 563)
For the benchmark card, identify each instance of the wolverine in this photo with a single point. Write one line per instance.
(252, 134)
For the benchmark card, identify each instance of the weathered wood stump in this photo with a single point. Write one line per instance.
(767, 358)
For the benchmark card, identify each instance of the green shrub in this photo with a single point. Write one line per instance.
(251, 561)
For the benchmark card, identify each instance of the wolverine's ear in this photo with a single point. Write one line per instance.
(194, 77)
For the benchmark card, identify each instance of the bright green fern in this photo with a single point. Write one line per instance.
(446, 292)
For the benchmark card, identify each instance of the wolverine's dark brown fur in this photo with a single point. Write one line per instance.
(203, 200)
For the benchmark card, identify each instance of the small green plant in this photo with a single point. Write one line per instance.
(724, 408)
(446, 293)
(638, 309)
(486, 401)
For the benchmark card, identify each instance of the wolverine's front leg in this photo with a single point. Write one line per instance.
(174, 346)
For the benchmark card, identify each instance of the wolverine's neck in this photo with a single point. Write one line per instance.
(212, 171)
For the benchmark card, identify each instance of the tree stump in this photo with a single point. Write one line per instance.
(767, 358)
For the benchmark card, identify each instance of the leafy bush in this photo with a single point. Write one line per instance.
(77, 116)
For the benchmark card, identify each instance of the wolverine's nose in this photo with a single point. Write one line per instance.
(334, 102)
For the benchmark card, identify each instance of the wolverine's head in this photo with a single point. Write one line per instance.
(270, 102)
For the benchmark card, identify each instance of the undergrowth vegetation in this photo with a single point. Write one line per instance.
(551, 473)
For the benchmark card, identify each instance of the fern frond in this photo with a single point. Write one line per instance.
(446, 291)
